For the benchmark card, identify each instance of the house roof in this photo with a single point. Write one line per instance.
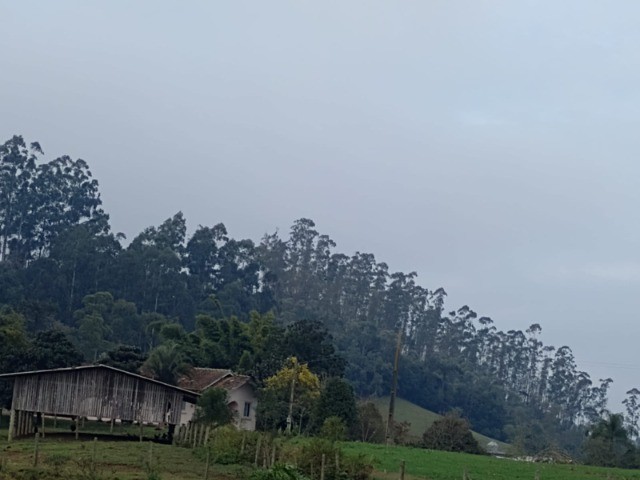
(199, 379)
(233, 382)
(99, 366)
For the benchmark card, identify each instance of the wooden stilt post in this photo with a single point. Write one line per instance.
(55, 421)
(111, 426)
(42, 432)
(20, 425)
(77, 420)
(12, 425)
(141, 431)
(18, 430)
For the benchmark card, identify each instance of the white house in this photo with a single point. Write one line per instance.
(240, 389)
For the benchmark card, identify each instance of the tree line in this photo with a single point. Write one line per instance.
(208, 299)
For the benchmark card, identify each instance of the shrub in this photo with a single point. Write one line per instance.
(451, 433)
(370, 426)
(278, 472)
(333, 429)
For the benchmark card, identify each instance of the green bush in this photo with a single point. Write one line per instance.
(451, 433)
(333, 429)
(278, 472)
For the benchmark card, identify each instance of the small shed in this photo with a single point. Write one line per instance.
(97, 391)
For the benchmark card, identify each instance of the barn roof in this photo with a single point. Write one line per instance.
(199, 379)
(99, 366)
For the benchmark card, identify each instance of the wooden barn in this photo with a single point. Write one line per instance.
(96, 391)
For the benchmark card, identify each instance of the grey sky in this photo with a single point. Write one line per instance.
(489, 145)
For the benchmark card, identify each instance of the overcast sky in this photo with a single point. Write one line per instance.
(491, 146)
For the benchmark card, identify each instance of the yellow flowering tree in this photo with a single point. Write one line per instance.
(289, 396)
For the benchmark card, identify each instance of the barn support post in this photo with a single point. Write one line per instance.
(25, 423)
(12, 425)
(20, 424)
(77, 427)
(111, 426)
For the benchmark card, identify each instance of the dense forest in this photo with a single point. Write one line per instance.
(71, 289)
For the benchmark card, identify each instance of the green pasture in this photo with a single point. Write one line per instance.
(420, 418)
(433, 465)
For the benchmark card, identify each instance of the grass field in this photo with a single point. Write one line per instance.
(60, 456)
(424, 464)
(420, 419)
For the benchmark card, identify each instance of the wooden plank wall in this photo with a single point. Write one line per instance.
(98, 393)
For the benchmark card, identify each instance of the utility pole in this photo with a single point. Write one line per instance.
(291, 398)
(394, 385)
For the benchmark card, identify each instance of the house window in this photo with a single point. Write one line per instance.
(247, 409)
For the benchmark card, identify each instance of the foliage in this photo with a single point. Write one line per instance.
(212, 407)
(52, 349)
(333, 429)
(278, 472)
(336, 400)
(451, 433)
(277, 397)
(370, 426)
(609, 444)
(165, 363)
(124, 357)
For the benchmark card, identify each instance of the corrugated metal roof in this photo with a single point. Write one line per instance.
(85, 367)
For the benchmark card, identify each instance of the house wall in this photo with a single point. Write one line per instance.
(240, 396)
(236, 400)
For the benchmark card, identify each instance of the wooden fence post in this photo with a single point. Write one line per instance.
(322, 465)
(206, 468)
(258, 444)
(35, 450)
(402, 467)
(94, 454)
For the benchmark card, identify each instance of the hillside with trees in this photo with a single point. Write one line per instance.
(72, 290)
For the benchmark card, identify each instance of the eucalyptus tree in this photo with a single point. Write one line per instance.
(632, 407)
(17, 171)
